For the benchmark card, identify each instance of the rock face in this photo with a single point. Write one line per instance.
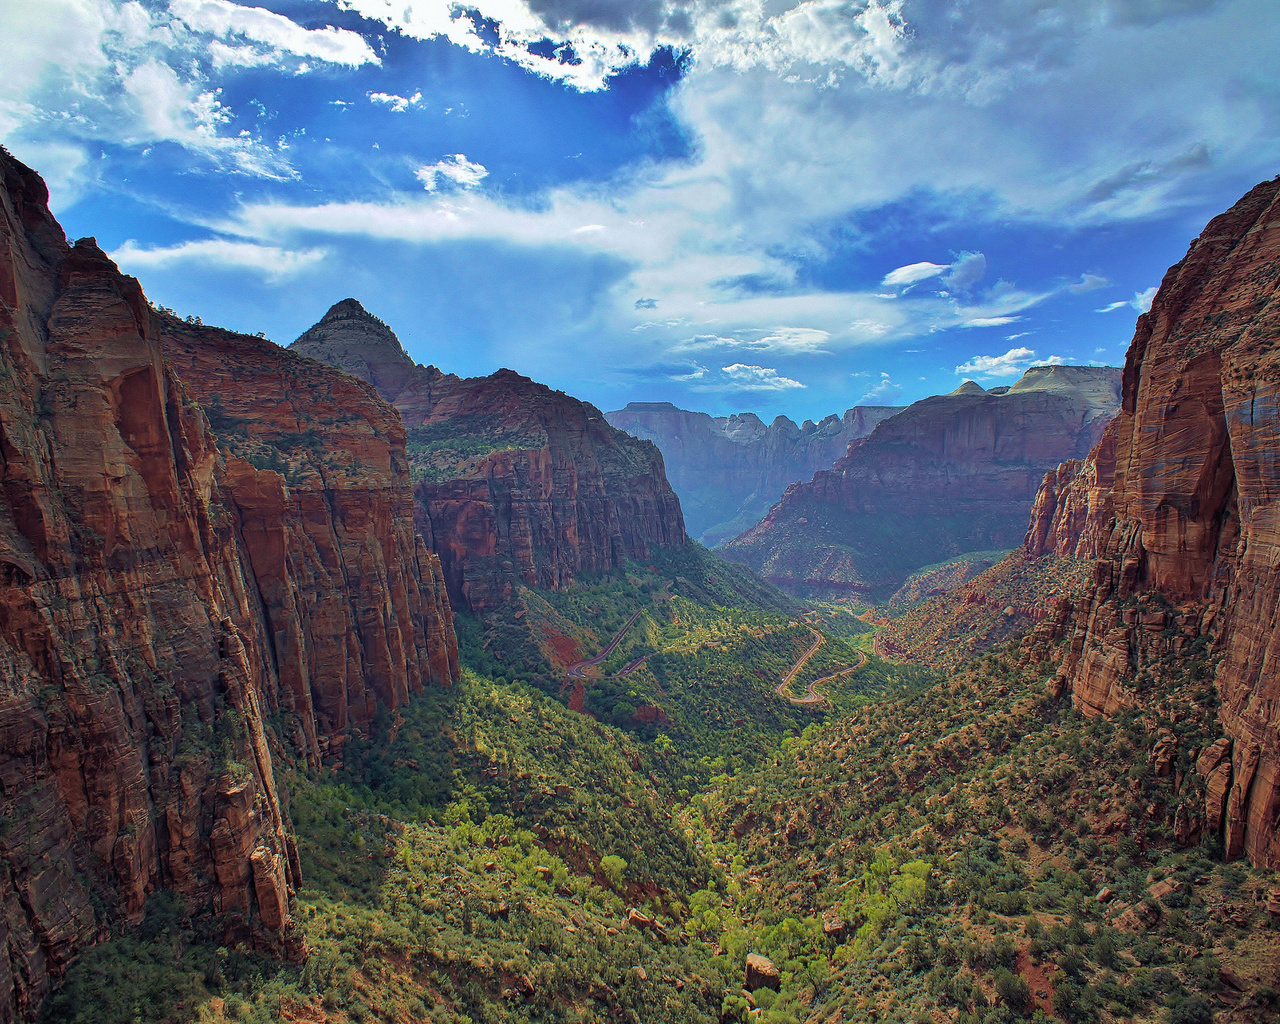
(948, 475)
(1181, 502)
(728, 470)
(161, 595)
(516, 483)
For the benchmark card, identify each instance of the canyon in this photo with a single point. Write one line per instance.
(728, 470)
(228, 575)
(948, 475)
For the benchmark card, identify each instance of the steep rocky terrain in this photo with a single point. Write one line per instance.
(948, 475)
(516, 483)
(166, 590)
(1180, 504)
(728, 470)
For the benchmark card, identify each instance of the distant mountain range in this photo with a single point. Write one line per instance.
(948, 475)
(728, 470)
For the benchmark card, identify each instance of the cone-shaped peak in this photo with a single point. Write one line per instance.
(970, 387)
(353, 339)
(344, 309)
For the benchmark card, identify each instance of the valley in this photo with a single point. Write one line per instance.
(338, 688)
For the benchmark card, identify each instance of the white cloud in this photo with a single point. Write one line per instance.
(1088, 283)
(1141, 301)
(1013, 363)
(273, 262)
(966, 271)
(913, 273)
(786, 340)
(398, 104)
(170, 109)
(883, 392)
(746, 377)
(273, 32)
(989, 321)
(457, 169)
(961, 275)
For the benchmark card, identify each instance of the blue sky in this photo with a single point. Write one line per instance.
(787, 206)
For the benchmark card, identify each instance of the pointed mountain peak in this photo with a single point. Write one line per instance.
(345, 309)
(970, 387)
(351, 338)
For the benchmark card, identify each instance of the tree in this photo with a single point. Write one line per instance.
(614, 868)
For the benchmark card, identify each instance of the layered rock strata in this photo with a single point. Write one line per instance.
(1181, 506)
(162, 595)
(516, 483)
(728, 470)
(949, 475)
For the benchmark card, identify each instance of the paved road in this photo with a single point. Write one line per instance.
(812, 696)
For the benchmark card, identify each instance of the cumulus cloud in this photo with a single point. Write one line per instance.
(398, 104)
(82, 72)
(1013, 363)
(168, 108)
(883, 392)
(271, 261)
(745, 377)
(1141, 301)
(456, 169)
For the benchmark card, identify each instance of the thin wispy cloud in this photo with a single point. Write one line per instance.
(1141, 301)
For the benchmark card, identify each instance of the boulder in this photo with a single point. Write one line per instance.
(761, 973)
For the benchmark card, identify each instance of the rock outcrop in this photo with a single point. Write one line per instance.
(516, 483)
(948, 475)
(161, 596)
(728, 470)
(1181, 504)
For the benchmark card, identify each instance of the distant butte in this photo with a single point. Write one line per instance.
(948, 475)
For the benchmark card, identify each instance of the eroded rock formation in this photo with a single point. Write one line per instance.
(516, 483)
(1181, 505)
(949, 475)
(161, 595)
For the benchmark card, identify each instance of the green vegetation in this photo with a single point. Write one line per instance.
(446, 450)
(920, 847)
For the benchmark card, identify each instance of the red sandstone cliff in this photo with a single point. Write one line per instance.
(948, 475)
(516, 483)
(160, 596)
(1181, 503)
(729, 470)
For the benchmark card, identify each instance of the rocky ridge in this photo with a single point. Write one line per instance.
(517, 484)
(1180, 505)
(728, 470)
(948, 475)
(161, 595)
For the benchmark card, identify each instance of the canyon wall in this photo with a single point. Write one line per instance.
(163, 592)
(1180, 504)
(728, 470)
(950, 474)
(515, 483)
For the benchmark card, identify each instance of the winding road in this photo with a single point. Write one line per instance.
(579, 670)
(812, 696)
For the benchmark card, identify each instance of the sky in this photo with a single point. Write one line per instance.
(784, 206)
